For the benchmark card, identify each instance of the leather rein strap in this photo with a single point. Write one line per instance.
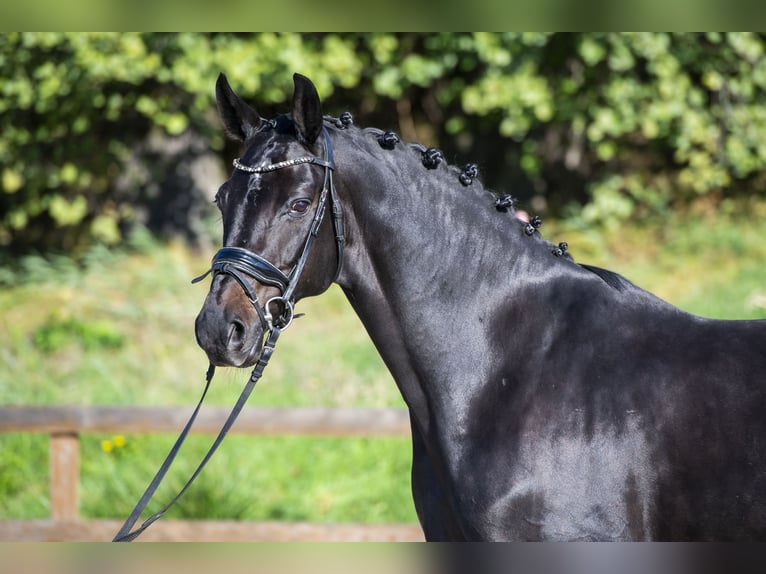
(236, 261)
(125, 534)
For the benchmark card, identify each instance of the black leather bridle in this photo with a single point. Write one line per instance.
(236, 261)
(240, 264)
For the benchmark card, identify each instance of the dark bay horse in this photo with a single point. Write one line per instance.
(549, 400)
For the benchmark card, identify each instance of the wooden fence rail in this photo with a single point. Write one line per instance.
(64, 424)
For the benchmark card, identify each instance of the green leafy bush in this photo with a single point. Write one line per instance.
(100, 131)
(79, 114)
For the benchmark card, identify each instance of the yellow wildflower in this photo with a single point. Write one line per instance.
(119, 441)
(107, 445)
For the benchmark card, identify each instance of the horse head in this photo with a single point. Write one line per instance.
(276, 248)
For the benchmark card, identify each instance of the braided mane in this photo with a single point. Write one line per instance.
(431, 158)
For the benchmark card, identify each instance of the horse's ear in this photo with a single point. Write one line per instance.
(239, 119)
(307, 110)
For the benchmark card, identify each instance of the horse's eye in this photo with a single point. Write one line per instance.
(300, 205)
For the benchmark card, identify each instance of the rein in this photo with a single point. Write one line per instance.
(239, 263)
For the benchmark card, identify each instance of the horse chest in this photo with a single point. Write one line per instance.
(562, 486)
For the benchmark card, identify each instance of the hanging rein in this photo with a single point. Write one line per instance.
(243, 265)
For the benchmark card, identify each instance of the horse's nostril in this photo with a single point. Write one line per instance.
(237, 331)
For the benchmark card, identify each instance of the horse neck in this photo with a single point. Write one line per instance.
(428, 260)
(418, 225)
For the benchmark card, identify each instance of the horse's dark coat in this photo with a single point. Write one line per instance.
(548, 400)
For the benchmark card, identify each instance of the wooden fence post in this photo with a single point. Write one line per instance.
(64, 475)
(63, 424)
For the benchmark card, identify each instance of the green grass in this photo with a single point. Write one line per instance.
(121, 332)
(255, 478)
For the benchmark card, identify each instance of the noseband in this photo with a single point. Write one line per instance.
(239, 262)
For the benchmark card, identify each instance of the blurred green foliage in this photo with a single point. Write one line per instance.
(56, 334)
(624, 126)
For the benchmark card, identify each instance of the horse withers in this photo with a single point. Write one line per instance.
(548, 400)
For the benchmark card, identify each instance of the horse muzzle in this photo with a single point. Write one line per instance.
(230, 327)
(227, 328)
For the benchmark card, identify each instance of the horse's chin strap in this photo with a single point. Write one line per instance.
(125, 534)
(236, 261)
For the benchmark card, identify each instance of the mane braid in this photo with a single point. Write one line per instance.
(466, 176)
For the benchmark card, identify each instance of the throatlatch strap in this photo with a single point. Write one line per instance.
(125, 535)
